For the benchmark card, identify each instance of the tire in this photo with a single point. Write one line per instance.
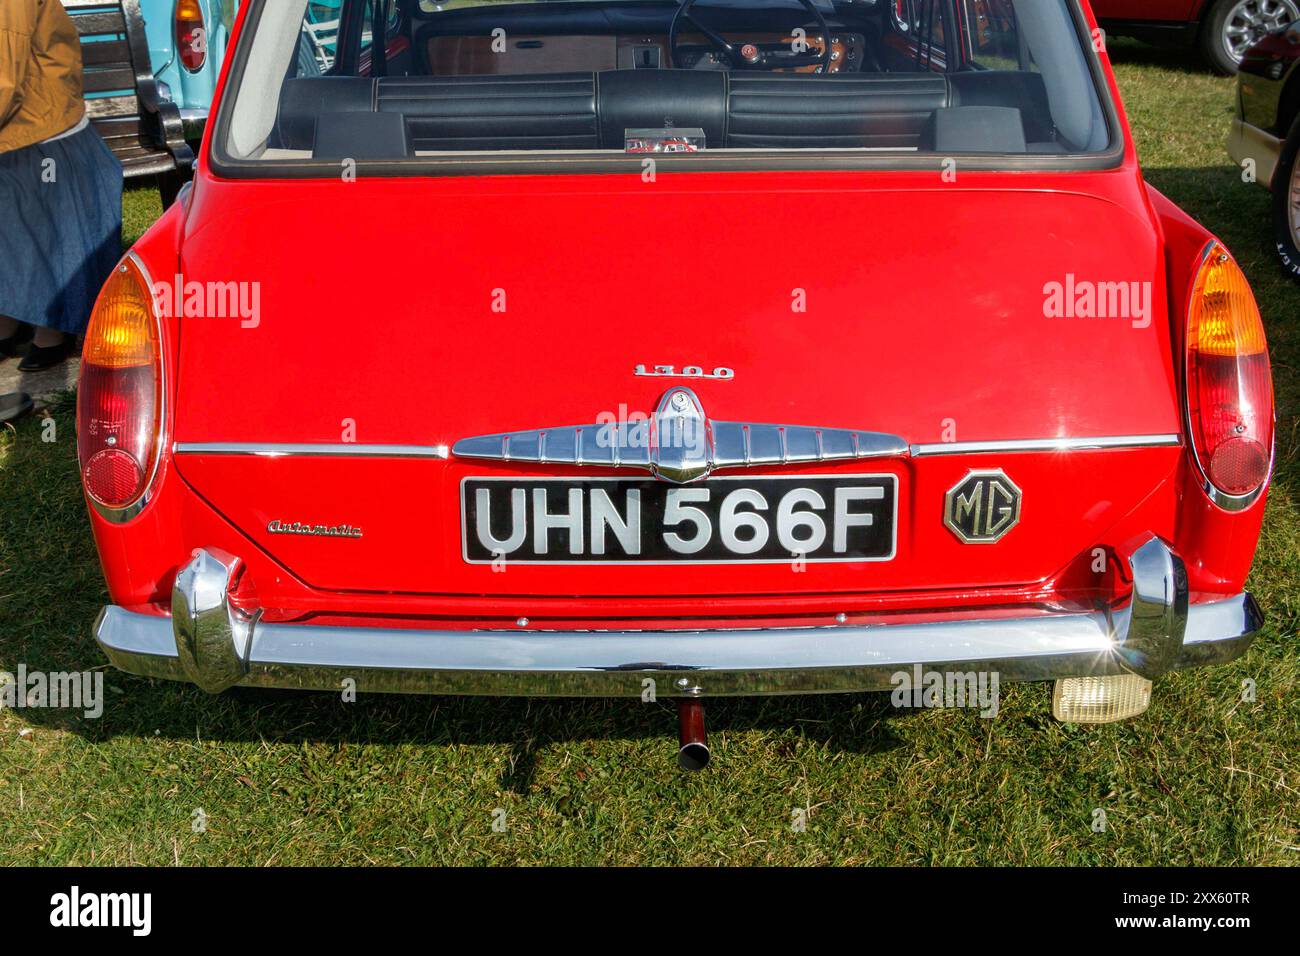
(1286, 204)
(1255, 17)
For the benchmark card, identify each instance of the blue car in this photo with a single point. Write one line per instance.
(174, 50)
(187, 43)
(150, 73)
(190, 78)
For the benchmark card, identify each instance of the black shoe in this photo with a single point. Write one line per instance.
(39, 359)
(12, 346)
(14, 405)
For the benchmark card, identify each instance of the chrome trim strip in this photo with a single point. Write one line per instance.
(1045, 444)
(318, 449)
(680, 444)
(743, 459)
(1155, 631)
(1233, 503)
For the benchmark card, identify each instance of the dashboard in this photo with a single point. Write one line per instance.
(530, 53)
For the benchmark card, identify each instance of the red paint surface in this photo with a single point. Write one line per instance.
(924, 304)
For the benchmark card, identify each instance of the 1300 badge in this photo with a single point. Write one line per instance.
(721, 521)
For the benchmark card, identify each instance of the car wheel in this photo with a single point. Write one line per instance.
(1233, 26)
(1286, 204)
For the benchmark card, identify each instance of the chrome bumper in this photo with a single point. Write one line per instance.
(193, 121)
(212, 644)
(1251, 142)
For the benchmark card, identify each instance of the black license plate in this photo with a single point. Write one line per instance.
(645, 521)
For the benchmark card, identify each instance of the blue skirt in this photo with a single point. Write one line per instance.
(60, 229)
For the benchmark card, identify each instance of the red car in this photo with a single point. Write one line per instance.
(428, 386)
(1223, 29)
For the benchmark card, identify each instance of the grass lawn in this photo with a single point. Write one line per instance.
(1203, 778)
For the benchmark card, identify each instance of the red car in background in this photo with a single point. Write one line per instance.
(1223, 29)
(904, 370)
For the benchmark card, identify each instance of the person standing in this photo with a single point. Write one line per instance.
(60, 188)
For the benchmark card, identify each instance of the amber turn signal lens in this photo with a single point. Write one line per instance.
(1229, 383)
(1224, 317)
(119, 399)
(122, 331)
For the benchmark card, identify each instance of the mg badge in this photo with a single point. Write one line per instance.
(982, 507)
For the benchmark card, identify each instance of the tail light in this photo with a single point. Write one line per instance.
(1229, 385)
(191, 35)
(119, 400)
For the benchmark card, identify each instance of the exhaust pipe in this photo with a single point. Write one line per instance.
(693, 753)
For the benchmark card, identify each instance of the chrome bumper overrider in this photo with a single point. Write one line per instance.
(212, 644)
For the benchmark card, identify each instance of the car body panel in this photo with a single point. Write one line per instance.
(1268, 91)
(1181, 11)
(1175, 22)
(479, 362)
(1263, 130)
(418, 548)
(961, 351)
(243, 493)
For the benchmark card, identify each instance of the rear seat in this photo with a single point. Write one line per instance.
(545, 111)
(884, 111)
(580, 111)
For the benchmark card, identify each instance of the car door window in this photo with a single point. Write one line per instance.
(994, 36)
(919, 33)
(392, 21)
(922, 19)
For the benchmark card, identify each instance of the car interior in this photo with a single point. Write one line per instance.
(944, 76)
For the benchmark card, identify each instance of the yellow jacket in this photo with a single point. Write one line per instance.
(40, 72)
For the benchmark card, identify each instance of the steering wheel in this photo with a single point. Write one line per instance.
(753, 56)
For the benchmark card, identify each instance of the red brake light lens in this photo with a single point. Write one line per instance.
(119, 400)
(1229, 384)
(191, 35)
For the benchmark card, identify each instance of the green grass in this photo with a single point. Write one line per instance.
(1203, 778)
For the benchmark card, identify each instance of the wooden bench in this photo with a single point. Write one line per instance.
(142, 129)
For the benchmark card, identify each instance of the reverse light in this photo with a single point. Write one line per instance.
(1229, 384)
(119, 400)
(191, 35)
(1100, 700)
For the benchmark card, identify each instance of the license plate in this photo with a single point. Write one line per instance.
(644, 521)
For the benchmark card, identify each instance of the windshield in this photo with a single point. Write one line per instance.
(694, 81)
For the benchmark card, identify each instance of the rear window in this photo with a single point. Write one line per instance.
(695, 81)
